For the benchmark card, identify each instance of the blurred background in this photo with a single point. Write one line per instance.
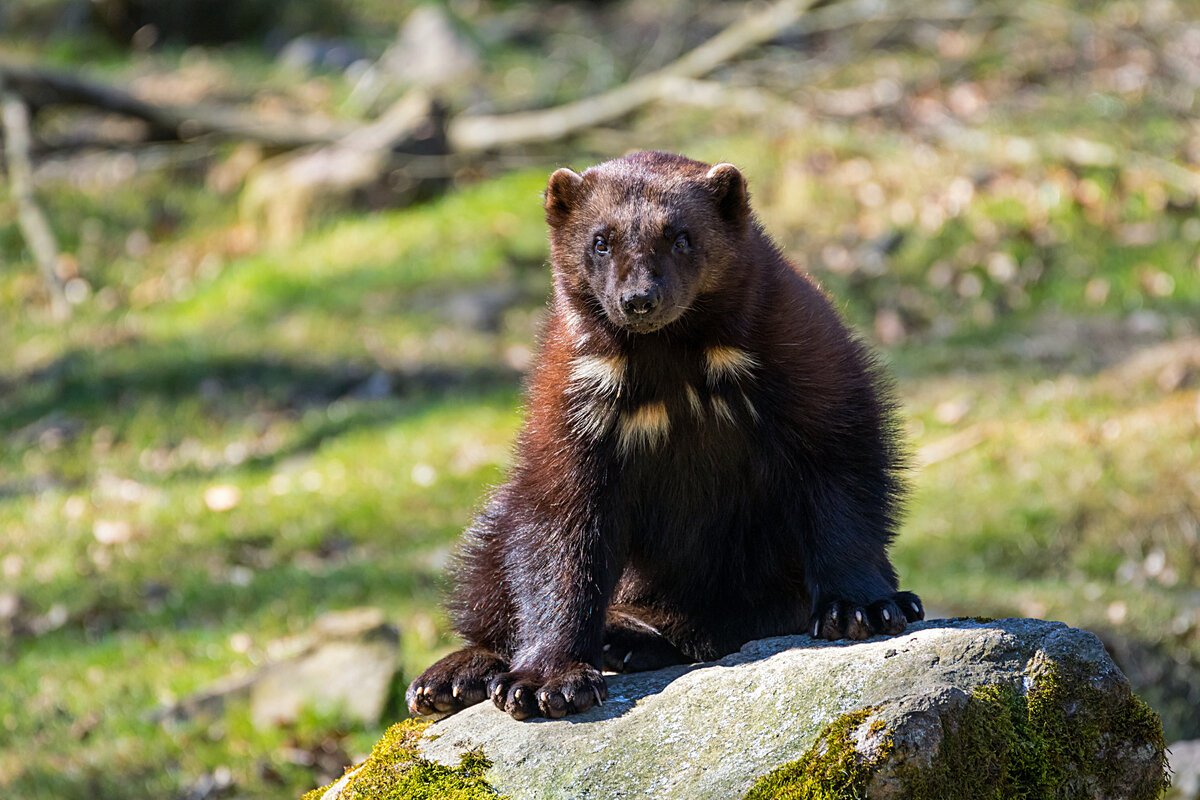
(271, 273)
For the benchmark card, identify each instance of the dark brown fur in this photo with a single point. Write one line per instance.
(764, 508)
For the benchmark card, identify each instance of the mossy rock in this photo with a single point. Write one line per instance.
(1061, 738)
(958, 708)
(395, 770)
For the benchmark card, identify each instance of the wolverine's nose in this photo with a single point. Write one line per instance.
(642, 301)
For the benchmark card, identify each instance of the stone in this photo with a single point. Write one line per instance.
(350, 676)
(344, 664)
(949, 708)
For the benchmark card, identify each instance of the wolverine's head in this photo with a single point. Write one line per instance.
(640, 238)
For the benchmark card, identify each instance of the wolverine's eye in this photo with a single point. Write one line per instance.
(682, 243)
(600, 246)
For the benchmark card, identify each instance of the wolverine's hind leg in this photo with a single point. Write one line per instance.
(633, 642)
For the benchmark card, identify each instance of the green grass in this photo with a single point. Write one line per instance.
(245, 378)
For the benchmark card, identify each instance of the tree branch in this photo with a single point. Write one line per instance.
(485, 132)
(282, 190)
(38, 236)
(41, 88)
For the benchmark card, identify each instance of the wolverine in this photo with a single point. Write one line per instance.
(710, 456)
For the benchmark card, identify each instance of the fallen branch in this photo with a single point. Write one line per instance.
(281, 191)
(38, 236)
(487, 132)
(40, 88)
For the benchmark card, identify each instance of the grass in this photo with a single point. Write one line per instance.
(344, 500)
(358, 391)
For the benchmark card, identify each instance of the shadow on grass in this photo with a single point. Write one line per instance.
(291, 590)
(91, 383)
(85, 389)
(211, 586)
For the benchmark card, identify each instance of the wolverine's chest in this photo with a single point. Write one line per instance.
(663, 402)
(687, 444)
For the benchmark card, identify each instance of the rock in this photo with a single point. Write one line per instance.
(346, 665)
(208, 702)
(1185, 770)
(343, 663)
(951, 708)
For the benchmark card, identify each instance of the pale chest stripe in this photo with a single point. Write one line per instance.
(731, 363)
(723, 363)
(595, 382)
(693, 399)
(646, 426)
(602, 375)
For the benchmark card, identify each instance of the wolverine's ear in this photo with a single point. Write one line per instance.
(563, 193)
(728, 188)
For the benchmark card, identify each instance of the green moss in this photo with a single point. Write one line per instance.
(1064, 739)
(395, 770)
(988, 752)
(831, 769)
(1085, 734)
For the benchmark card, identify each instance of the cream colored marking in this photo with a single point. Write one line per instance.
(592, 418)
(574, 325)
(601, 374)
(728, 362)
(722, 409)
(750, 407)
(645, 426)
(693, 399)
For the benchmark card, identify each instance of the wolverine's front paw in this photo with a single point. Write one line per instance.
(523, 693)
(457, 681)
(840, 619)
